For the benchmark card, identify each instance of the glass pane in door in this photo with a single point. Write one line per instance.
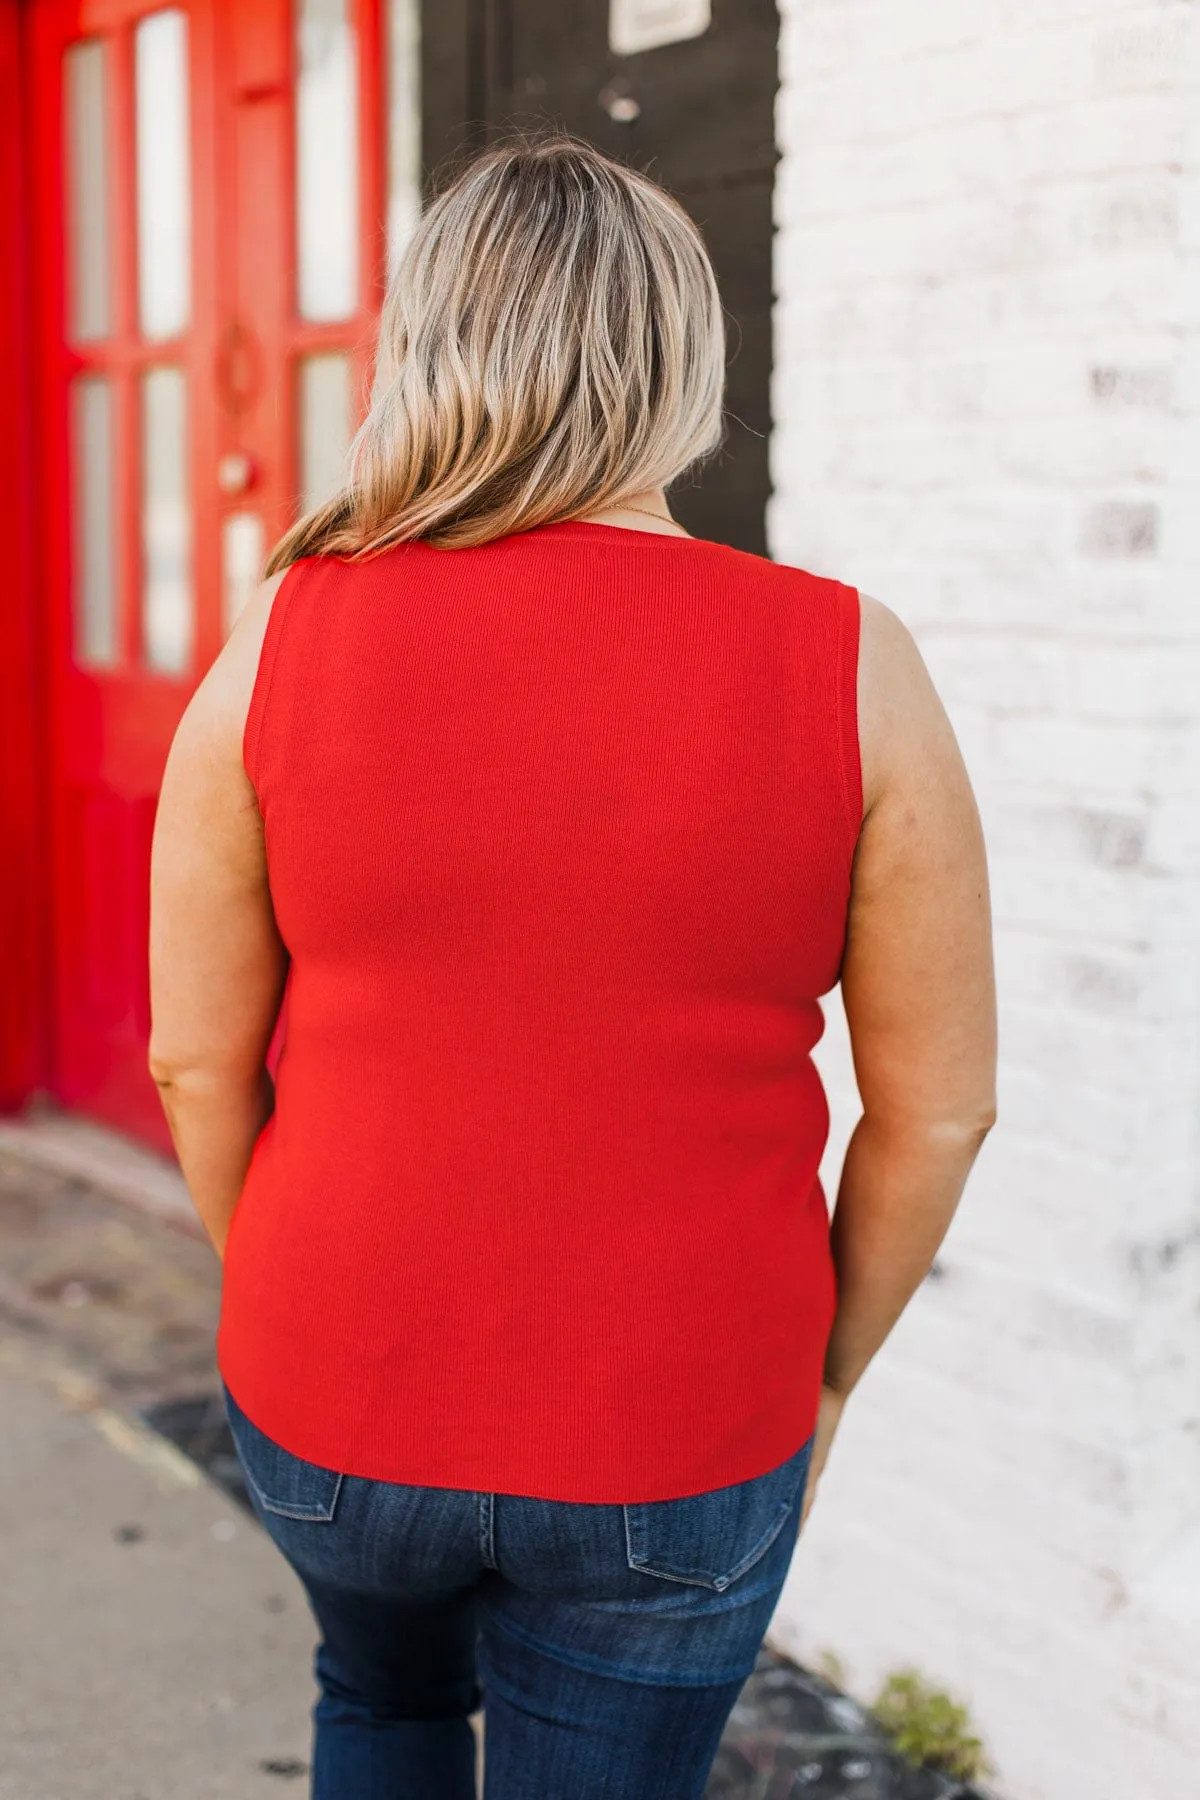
(404, 123)
(327, 226)
(164, 224)
(166, 524)
(93, 535)
(86, 120)
(325, 428)
(243, 551)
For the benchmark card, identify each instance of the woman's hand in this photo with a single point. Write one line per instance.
(829, 1418)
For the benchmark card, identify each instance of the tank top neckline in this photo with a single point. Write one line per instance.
(596, 529)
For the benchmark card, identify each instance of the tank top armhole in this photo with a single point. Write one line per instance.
(849, 617)
(267, 657)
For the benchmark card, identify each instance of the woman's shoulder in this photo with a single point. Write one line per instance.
(214, 720)
(903, 729)
(235, 670)
(250, 627)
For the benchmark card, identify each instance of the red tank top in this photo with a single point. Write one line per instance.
(559, 834)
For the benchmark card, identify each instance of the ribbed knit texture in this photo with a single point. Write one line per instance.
(559, 834)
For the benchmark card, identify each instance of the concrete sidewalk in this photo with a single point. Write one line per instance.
(153, 1645)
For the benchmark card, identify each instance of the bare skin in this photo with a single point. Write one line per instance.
(919, 993)
(917, 978)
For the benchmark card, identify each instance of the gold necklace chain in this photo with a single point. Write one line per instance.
(663, 518)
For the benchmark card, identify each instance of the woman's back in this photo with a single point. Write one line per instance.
(536, 1331)
(559, 832)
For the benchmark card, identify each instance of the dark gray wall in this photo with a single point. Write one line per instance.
(705, 129)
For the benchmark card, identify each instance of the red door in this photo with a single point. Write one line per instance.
(208, 248)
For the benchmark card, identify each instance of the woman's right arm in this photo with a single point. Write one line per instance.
(919, 992)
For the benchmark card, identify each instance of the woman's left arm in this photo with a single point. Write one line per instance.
(217, 963)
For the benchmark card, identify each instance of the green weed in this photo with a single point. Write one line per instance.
(929, 1728)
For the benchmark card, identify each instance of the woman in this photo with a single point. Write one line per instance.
(557, 822)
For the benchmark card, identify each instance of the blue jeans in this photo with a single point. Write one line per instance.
(606, 1643)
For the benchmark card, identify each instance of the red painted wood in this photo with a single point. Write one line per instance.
(24, 1050)
(262, 331)
(107, 732)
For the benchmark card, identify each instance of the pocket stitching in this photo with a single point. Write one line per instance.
(719, 1582)
(319, 1513)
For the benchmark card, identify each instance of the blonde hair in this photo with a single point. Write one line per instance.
(551, 341)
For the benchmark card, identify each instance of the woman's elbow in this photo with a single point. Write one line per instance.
(971, 1127)
(981, 1119)
(176, 1070)
(163, 1067)
(959, 1130)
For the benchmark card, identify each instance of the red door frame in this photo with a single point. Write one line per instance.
(105, 732)
(24, 890)
(244, 270)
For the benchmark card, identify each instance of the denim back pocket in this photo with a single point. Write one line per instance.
(710, 1540)
(280, 1482)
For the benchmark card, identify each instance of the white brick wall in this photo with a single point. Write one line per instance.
(987, 406)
